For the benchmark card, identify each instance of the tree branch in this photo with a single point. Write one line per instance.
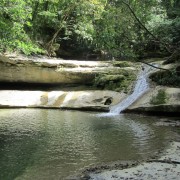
(144, 27)
(50, 43)
(138, 20)
(154, 66)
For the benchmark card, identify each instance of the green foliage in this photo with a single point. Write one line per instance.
(160, 98)
(28, 48)
(110, 26)
(14, 17)
(165, 24)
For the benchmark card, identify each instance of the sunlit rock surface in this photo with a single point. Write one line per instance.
(29, 71)
(87, 100)
(50, 70)
(144, 104)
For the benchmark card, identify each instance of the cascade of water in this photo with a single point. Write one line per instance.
(141, 87)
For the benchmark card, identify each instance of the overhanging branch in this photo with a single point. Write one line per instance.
(144, 27)
(155, 66)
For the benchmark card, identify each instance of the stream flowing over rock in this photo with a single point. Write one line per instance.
(58, 72)
(141, 86)
(30, 71)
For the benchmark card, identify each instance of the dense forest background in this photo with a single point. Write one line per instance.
(119, 29)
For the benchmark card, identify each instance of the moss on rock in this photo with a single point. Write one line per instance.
(122, 64)
(120, 80)
(160, 98)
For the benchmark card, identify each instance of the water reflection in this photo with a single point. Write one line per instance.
(52, 144)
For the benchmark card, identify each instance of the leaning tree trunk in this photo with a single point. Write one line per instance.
(65, 17)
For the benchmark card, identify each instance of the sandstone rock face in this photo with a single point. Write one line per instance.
(87, 100)
(171, 104)
(19, 69)
(56, 71)
(46, 71)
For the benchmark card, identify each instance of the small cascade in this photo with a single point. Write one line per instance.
(141, 87)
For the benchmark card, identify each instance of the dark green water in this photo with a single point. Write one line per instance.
(53, 144)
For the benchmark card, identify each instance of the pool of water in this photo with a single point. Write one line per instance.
(53, 144)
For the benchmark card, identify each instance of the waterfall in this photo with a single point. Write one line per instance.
(140, 88)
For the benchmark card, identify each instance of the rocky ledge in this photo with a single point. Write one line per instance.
(31, 74)
(114, 75)
(44, 70)
(81, 100)
(158, 100)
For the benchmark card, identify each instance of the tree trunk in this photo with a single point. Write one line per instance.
(35, 11)
(50, 43)
(175, 57)
(46, 4)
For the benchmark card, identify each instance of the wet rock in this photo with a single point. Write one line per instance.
(165, 123)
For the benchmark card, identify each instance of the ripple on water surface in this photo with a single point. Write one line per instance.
(53, 144)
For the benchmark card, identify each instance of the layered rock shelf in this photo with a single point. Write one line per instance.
(28, 72)
(19, 69)
(83, 100)
(118, 75)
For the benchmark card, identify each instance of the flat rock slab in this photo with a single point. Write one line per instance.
(84, 100)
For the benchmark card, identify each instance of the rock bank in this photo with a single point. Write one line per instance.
(158, 100)
(29, 72)
(83, 100)
(47, 71)
(43, 70)
(114, 75)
